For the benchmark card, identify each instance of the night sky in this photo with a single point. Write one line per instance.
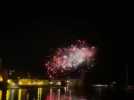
(26, 40)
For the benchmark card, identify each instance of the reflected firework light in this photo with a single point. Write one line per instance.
(68, 59)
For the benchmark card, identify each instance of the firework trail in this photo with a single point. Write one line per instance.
(70, 58)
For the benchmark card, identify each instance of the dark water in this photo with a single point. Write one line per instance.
(49, 93)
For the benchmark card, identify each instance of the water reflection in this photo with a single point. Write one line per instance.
(52, 93)
(60, 94)
(0, 95)
(38, 93)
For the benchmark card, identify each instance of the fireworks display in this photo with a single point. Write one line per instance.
(70, 58)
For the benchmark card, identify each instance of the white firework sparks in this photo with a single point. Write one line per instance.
(67, 59)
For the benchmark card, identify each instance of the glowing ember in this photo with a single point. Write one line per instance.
(70, 58)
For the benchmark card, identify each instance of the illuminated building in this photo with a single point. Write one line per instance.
(1, 78)
(32, 82)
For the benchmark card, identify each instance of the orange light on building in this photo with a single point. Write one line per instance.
(1, 78)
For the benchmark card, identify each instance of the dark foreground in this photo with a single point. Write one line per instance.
(55, 93)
